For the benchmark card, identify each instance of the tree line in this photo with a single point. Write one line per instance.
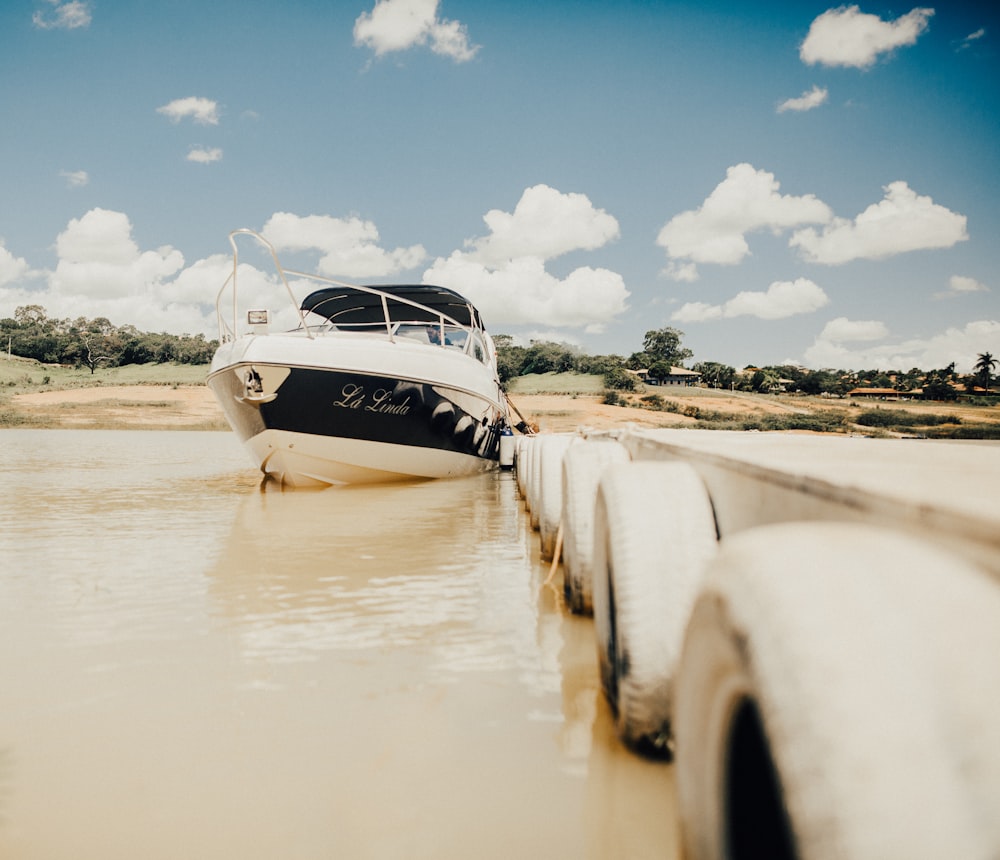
(94, 343)
(662, 350)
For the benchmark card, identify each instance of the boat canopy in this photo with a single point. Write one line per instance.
(420, 303)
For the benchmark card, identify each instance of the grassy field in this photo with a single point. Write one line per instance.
(557, 383)
(23, 375)
(146, 408)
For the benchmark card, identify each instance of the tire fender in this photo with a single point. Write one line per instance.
(654, 533)
(549, 498)
(837, 697)
(582, 468)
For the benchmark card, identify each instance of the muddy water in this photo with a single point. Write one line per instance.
(190, 667)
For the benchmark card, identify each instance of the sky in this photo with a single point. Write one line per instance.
(783, 182)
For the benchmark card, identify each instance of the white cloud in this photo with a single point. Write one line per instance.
(396, 25)
(902, 221)
(843, 330)
(781, 300)
(204, 155)
(962, 284)
(545, 223)
(682, 272)
(846, 36)
(101, 272)
(75, 178)
(807, 101)
(959, 345)
(504, 273)
(746, 200)
(98, 259)
(971, 38)
(11, 268)
(63, 16)
(521, 291)
(201, 110)
(349, 246)
(959, 285)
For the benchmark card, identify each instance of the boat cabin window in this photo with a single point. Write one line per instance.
(478, 349)
(419, 331)
(455, 337)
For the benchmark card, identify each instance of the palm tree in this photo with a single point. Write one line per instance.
(984, 367)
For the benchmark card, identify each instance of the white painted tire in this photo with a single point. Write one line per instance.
(534, 471)
(654, 533)
(582, 468)
(856, 672)
(521, 465)
(550, 470)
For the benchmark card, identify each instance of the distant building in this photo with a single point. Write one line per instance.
(877, 393)
(678, 376)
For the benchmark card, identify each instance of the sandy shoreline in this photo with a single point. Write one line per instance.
(194, 407)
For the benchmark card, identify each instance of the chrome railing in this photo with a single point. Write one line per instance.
(228, 330)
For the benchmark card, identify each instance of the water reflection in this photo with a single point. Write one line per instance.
(195, 668)
(422, 566)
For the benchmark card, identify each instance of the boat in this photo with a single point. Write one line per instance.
(376, 383)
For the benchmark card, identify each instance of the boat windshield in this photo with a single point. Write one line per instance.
(430, 314)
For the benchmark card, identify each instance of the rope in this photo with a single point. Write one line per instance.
(555, 555)
(524, 426)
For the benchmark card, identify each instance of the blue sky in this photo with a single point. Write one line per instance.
(791, 181)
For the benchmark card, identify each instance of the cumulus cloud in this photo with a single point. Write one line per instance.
(349, 246)
(902, 221)
(844, 330)
(204, 155)
(781, 300)
(807, 101)
(546, 223)
(11, 268)
(504, 272)
(960, 285)
(846, 36)
(746, 200)
(396, 25)
(101, 272)
(201, 110)
(75, 178)
(959, 345)
(99, 259)
(62, 16)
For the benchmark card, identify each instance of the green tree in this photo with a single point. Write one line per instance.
(662, 344)
(984, 367)
(619, 379)
(937, 386)
(715, 374)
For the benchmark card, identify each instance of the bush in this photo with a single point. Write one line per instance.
(619, 379)
(613, 398)
(902, 418)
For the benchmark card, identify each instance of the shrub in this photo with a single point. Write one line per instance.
(619, 379)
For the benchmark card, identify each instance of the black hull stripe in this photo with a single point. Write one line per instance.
(365, 406)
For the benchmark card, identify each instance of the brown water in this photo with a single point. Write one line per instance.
(193, 668)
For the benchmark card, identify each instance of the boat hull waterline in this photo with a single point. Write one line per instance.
(336, 427)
